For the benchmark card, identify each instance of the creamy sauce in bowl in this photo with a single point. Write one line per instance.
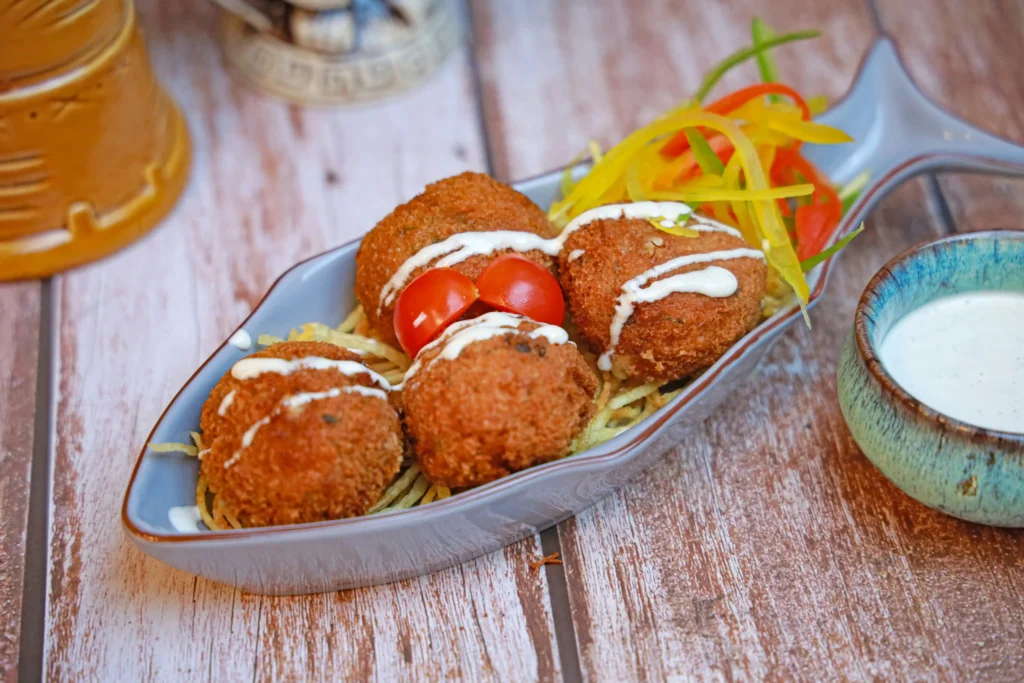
(963, 356)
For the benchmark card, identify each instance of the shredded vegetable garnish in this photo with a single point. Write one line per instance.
(738, 159)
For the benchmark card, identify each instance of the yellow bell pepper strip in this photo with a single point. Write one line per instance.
(855, 186)
(770, 233)
(817, 104)
(567, 183)
(791, 124)
(730, 103)
(807, 131)
(743, 55)
(634, 187)
(678, 226)
(689, 194)
(704, 181)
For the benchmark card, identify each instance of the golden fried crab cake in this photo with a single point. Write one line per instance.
(466, 203)
(223, 394)
(309, 435)
(495, 395)
(667, 323)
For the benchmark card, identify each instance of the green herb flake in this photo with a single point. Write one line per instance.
(831, 251)
(743, 55)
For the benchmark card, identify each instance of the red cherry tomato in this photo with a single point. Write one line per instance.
(515, 284)
(429, 304)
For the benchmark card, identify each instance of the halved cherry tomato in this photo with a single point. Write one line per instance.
(515, 284)
(429, 304)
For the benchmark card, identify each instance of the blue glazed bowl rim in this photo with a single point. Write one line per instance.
(864, 324)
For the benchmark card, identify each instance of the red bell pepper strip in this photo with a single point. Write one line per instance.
(814, 221)
(734, 101)
(730, 103)
(813, 227)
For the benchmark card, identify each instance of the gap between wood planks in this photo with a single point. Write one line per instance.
(31, 648)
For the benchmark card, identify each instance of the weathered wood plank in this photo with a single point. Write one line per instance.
(557, 74)
(271, 184)
(19, 318)
(767, 545)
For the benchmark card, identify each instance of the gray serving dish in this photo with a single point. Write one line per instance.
(898, 133)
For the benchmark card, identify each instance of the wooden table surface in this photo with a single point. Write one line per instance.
(765, 546)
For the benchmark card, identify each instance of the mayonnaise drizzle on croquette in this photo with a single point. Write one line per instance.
(464, 245)
(711, 281)
(644, 211)
(465, 332)
(226, 403)
(310, 396)
(460, 247)
(295, 400)
(247, 368)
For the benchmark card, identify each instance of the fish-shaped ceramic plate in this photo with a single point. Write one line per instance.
(898, 133)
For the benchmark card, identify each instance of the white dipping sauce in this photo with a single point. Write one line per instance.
(963, 356)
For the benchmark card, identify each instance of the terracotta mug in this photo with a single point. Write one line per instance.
(92, 151)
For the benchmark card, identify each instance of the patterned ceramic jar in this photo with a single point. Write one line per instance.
(337, 51)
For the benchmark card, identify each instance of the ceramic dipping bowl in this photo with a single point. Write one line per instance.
(969, 472)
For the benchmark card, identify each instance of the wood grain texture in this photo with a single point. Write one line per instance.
(272, 184)
(766, 546)
(557, 74)
(19, 318)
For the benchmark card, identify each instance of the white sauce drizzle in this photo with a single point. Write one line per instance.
(247, 368)
(460, 247)
(241, 340)
(184, 518)
(295, 400)
(226, 403)
(711, 281)
(465, 332)
(464, 245)
(309, 397)
(575, 254)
